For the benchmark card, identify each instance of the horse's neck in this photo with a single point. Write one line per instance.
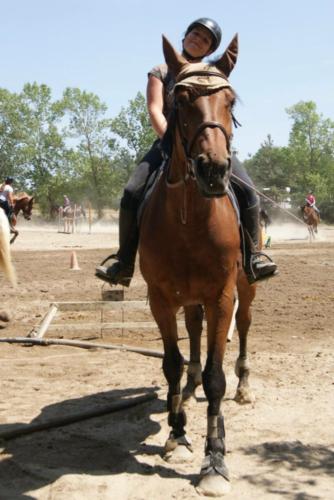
(17, 206)
(177, 168)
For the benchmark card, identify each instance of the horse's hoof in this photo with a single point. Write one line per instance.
(213, 485)
(178, 451)
(180, 455)
(244, 396)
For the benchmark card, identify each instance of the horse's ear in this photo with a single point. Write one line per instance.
(174, 60)
(228, 60)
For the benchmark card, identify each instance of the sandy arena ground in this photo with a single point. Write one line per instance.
(280, 447)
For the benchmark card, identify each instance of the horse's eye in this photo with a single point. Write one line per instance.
(182, 98)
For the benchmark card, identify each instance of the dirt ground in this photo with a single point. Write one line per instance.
(281, 446)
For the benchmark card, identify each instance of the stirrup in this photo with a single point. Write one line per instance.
(257, 266)
(113, 256)
(116, 274)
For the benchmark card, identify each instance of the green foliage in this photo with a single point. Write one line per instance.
(306, 163)
(132, 126)
(269, 166)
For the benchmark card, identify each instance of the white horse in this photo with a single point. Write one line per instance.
(5, 257)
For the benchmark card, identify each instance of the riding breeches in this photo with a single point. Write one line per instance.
(135, 188)
(242, 184)
(6, 207)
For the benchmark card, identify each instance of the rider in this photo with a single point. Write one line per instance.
(66, 204)
(310, 201)
(202, 37)
(6, 197)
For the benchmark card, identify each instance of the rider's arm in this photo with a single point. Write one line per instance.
(155, 105)
(10, 198)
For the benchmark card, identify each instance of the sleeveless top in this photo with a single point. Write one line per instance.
(4, 195)
(161, 72)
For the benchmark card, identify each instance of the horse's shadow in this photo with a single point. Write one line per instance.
(98, 446)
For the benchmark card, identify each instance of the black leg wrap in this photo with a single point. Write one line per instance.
(214, 464)
(215, 445)
(177, 421)
(216, 441)
(215, 449)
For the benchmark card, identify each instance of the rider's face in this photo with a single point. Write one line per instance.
(198, 42)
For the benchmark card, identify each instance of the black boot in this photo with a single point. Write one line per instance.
(121, 271)
(257, 265)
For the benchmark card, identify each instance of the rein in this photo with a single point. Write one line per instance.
(201, 75)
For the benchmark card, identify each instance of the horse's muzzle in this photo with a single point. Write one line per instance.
(212, 178)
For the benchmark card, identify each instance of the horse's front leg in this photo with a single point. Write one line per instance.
(194, 324)
(246, 294)
(214, 480)
(177, 448)
(14, 232)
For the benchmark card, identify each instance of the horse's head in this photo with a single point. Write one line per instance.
(25, 204)
(202, 117)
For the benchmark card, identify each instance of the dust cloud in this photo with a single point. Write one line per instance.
(280, 232)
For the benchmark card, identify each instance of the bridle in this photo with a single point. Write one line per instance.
(189, 144)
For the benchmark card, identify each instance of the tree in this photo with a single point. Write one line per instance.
(11, 135)
(87, 124)
(132, 128)
(269, 166)
(311, 145)
(42, 150)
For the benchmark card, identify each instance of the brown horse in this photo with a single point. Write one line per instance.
(190, 254)
(312, 219)
(22, 203)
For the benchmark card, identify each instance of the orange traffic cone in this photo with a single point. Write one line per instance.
(74, 266)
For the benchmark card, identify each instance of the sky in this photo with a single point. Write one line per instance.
(286, 53)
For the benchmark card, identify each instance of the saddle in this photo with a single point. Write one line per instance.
(149, 188)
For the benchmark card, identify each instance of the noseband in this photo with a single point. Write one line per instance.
(209, 124)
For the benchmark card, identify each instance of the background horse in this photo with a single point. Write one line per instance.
(71, 216)
(22, 203)
(312, 219)
(193, 262)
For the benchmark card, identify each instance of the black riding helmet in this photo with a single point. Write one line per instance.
(210, 25)
(9, 180)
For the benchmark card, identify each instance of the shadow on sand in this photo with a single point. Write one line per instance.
(100, 446)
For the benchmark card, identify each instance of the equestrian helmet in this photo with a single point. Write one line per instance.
(9, 180)
(210, 25)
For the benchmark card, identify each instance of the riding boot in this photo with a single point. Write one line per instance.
(257, 265)
(121, 271)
